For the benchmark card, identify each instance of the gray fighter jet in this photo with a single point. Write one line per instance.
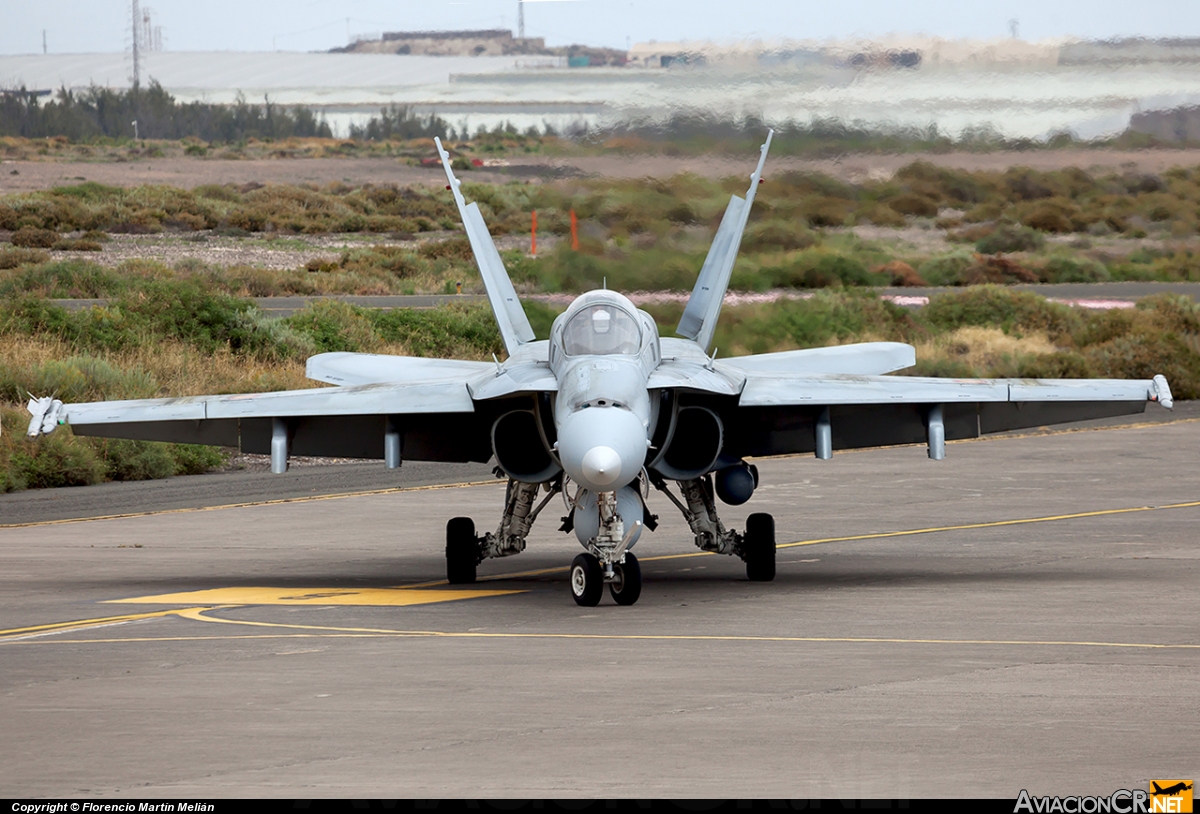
(605, 410)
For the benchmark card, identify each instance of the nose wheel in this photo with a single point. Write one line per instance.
(588, 580)
(626, 586)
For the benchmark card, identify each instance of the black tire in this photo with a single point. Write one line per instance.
(462, 551)
(759, 547)
(587, 581)
(628, 587)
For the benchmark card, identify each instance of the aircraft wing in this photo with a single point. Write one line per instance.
(375, 368)
(777, 413)
(436, 420)
(862, 358)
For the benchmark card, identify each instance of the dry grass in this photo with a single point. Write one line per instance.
(177, 368)
(984, 348)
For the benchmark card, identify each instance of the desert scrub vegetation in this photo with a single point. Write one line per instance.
(177, 339)
(644, 234)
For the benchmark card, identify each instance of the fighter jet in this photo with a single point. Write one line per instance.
(604, 411)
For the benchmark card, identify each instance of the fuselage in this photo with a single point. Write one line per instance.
(602, 351)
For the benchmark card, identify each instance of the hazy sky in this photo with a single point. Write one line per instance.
(88, 26)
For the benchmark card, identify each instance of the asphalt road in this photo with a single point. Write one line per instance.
(1023, 614)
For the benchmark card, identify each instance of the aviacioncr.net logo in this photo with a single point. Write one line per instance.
(1122, 801)
(1163, 797)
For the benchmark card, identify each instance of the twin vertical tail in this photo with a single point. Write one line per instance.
(510, 316)
(703, 308)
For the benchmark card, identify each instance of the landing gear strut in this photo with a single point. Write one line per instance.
(464, 550)
(756, 547)
(608, 560)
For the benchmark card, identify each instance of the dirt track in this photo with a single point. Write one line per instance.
(16, 176)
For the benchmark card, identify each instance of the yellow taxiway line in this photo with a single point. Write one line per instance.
(411, 595)
(328, 631)
(881, 535)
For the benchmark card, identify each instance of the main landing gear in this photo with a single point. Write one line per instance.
(608, 560)
(756, 547)
(465, 550)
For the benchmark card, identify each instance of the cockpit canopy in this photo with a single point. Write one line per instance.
(602, 329)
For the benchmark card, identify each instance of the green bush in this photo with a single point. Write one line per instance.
(126, 460)
(1011, 311)
(332, 325)
(827, 316)
(1009, 238)
(77, 246)
(400, 261)
(1172, 313)
(16, 257)
(910, 204)
(79, 378)
(946, 270)
(31, 238)
(54, 460)
(1143, 356)
(467, 330)
(774, 235)
(819, 268)
(1071, 270)
(64, 279)
(186, 310)
(195, 459)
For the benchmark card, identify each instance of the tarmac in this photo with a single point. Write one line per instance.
(1022, 615)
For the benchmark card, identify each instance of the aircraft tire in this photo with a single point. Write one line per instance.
(628, 587)
(462, 551)
(587, 581)
(759, 545)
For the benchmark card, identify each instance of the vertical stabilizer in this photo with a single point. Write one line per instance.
(514, 325)
(704, 306)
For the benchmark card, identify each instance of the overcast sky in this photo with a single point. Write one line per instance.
(89, 26)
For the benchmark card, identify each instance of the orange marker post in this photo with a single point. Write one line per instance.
(533, 235)
(574, 231)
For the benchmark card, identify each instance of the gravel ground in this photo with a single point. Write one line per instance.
(295, 251)
(262, 250)
(188, 172)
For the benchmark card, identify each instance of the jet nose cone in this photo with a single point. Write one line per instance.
(602, 465)
(602, 448)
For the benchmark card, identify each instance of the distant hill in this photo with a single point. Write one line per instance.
(479, 43)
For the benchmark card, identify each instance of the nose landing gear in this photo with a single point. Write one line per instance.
(608, 560)
(588, 579)
(626, 587)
